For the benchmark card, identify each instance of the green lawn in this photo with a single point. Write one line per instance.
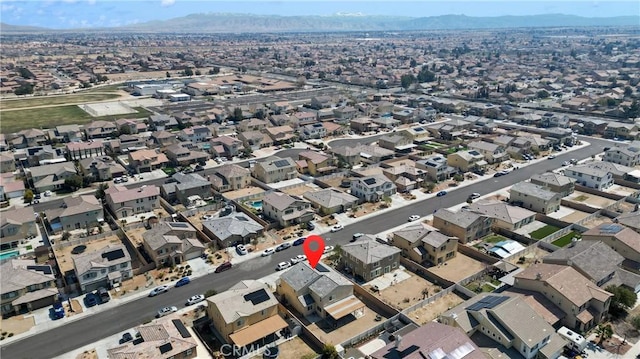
(493, 238)
(581, 198)
(564, 240)
(543, 232)
(49, 117)
(56, 100)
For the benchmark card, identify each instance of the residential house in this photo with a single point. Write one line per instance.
(81, 212)
(590, 176)
(465, 225)
(372, 188)
(385, 122)
(229, 231)
(405, 176)
(28, 138)
(396, 143)
(164, 138)
(300, 118)
(230, 177)
(504, 215)
(165, 339)
(419, 135)
(625, 131)
(628, 155)
(80, 150)
(315, 163)
(436, 167)
(555, 182)
(10, 187)
(467, 160)
(125, 202)
(321, 291)
(195, 134)
(534, 197)
(554, 120)
(131, 126)
(345, 113)
(329, 201)
(255, 139)
(7, 162)
(147, 160)
(598, 262)
(318, 102)
(226, 146)
(254, 124)
(275, 170)
(101, 168)
(592, 126)
(172, 243)
(50, 177)
(181, 155)
(423, 244)
(185, 186)
(510, 322)
(100, 129)
(69, 133)
(312, 131)
(631, 220)
(368, 259)
(281, 134)
(26, 286)
(246, 315)
(38, 155)
(583, 304)
(621, 239)
(430, 340)
(492, 152)
(361, 153)
(106, 267)
(362, 125)
(159, 122)
(286, 210)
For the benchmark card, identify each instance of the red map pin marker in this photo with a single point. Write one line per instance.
(313, 254)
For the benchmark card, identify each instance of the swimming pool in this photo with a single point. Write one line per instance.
(9, 254)
(256, 205)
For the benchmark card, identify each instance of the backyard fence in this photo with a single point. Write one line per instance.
(59, 244)
(429, 300)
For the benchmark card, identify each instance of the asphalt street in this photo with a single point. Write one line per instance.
(93, 328)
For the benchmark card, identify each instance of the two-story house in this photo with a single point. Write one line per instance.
(185, 186)
(80, 150)
(281, 134)
(436, 167)
(50, 177)
(590, 176)
(101, 168)
(622, 239)
(372, 188)
(465, 225)
(106, 267)
(7, 162)
(628, 155)
(286, 210)
(626, 131)
(468, 160)
(312, 131)
(492, 152)
(226, 146)
(125, 202)
(504, 215)
(28, 138)
(230, 177)
(423, 244)
(255, 139)
(315, 163)
(555, 182)
(275, 170)
(147, 160)
(100, 129)
(368, 259)
(172, 243)
(534, 197)
(195, 134)
(236, 228)
(159, 122)
(16, 225)
(26, 286)
(81, 212)
(182, 155)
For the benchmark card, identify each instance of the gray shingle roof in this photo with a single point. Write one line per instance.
(594, 258)
(329, 198)
(533, 190)
(369, 250)
(237, 224)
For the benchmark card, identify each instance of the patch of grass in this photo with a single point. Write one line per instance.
(56, 100)
(493, 238)
(564, 240)
(581, 198)
(169, 170)
(543, 232)
(29, 247)
(487, 288)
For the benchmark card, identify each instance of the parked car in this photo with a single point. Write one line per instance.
(328, 249)
(566, 163)
(223, 267)
(337, 227)
(297, 259)
(283, 265)
(126, 337)
(159, 290)
(441, 193)
(90, 300)
(241, 249)
(58, 311)
(37, 196)
(299, 241)
(414, 218)
(474, 195)
(47, 193)
(356, 236)
(268, 252)
(166, 311)
(103, 295)
(498, 174)
(311, 226)
(606, 149)
(195, 299)
(551, 157)
(183, 281)
(283, 246)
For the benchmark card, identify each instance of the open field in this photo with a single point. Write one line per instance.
(57, 100)
(49, 117)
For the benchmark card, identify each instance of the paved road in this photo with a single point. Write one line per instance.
(98, 326)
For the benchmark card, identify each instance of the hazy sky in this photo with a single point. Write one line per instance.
(62, 14)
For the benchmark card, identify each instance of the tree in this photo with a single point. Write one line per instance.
(429, 186)
(66, 235)
(458, 177)
(604, 332)
(198, 72)
(633, 111)
(407, 80)
(214, 71)
(412, 63)
(168, 74)
(337, 253)
(628, 91)
(28, 196)
(210, 293)
(635, 322)
(125, 130)
(542, 94)
(73, 183)
(329, 352)
(24, 89)
(100, 192)
(623, 298)
(237, 114)
(188, 71)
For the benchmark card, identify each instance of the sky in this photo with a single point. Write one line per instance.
(68, 14)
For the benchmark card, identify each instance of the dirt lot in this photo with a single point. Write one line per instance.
(531, 258)
(138, 282)
(346, 331)
(364, 209)
(88, 354)
(590, 199)
(597, 221)
(335, 182)
(432, 310)
(244, 192)
(407, 292)
(295, 348)
(458, 268)
(17, 325)
(77, 308)
(300, 190)
(575, 216)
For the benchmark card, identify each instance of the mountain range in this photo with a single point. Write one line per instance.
(246, 23)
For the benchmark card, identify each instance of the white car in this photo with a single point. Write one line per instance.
(241, 249)
(208, 217)
(283, 265)
(195, 299)
(566, 163)
(474, 195)
(413, 218)
(267, 252)
(337, 227)
(159, 290)
(297, 259)
(166, 311)
(328, 249)
(552, 157)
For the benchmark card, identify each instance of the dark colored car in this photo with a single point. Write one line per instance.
(441, 193)
(90, 300)
(223, 267)
(103, 294)
(183, 281)
(283, 246)
(311, 226)
(58, 311)
(498, 174)
(299, 241)
(37, 196)
(126, 337)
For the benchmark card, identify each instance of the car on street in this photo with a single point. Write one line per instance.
(223, 267)
(498, 174)
(356, 236)
(474, 195)
(126, 337)
(90, 300)
(158, 290)
(166, 311)
(566, 163)
(551, 157)
(337, 227)
(414, 218)
(183, 281)
(268, 252)
(299, 241)
(328, 249)
(241, 249)
(283, 265)
(297, 259)
(441, 193)
(283, 246)
(195, 299)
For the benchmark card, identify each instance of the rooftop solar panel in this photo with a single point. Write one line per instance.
(257, 297)
(178, 224)
(281, 163)
(181, 328)
(369, 181)
(43, 269)
(488, 302)
(113, 255)
(164, 348)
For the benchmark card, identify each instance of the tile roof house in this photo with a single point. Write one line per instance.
(623, 240)
(181, 154)
(101, 168)
(7, 162)
(172, 243)
(106, 267)
(286, 210)
(26, 286)
(429, 341)
(100, 129)
(555, 182)
(230, 177)
(422, 243)
(312, 131)
(508, 321)
(195, 134)
(255, 139)
(226, 146)
(147, 160)
(80, 150)
(275, 169)
(125, 202)
(236, 228)
(328, 201)
(50, 177)
(185, 186)
(583, 303)
(436, 167)
(11, 187)
(80, 212)
(492, 152)
(504, 215)
(316, 163)
(631, 220)
(468, 160)
(165, 339)
(534, 197)
(16, 225)
(321, 291)
(245, 314)
(368, 259)
(465, 225)
(372, 188)
(281, 134)
(361, 153)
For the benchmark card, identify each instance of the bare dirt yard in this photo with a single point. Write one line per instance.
(329, 334)
(16, 325)
(458, 268)
(432, 310)
(408, 292)
(295, 348)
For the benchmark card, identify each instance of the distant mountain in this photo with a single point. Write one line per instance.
(246, 23)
